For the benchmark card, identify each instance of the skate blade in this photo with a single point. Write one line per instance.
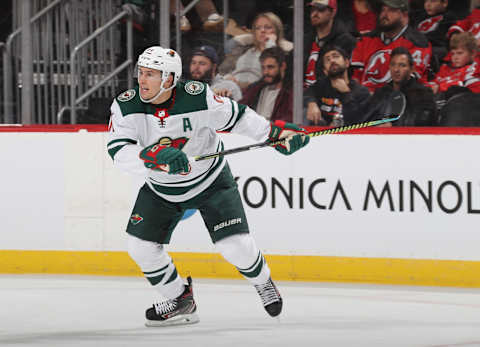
(183, 319)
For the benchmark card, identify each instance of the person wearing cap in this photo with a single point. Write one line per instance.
(371, 56)
(326, 29)
(203, 67)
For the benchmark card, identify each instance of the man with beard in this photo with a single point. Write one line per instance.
(203, 67)
(272, 96)
(420, 108)
(327, 30)
(335, 99)
(371, 57)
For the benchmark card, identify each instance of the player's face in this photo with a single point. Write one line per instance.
(334, 64)
(389, 19)
(400, 68)
(320, 17)
(271, 71)
(149, 81)
(201, 68)
(263, 29)
(433, 7)
(461, 57)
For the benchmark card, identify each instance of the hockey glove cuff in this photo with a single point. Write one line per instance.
(295, 137)
(163, 158)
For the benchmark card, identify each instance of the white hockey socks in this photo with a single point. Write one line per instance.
(242, 252)
(157, 266)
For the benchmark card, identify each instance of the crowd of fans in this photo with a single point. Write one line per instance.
(356, 53)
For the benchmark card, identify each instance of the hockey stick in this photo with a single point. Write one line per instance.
(335, 130)
(396, 107)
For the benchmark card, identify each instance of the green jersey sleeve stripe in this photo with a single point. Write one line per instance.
(112, 151)
(241, 112)
(127, 140)
(234, 113)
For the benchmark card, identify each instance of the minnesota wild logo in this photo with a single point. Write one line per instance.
(135, 219)
(194, 87)
(126, 96)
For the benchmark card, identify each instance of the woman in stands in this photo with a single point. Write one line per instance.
(267, 31)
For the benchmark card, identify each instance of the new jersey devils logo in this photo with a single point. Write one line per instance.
(377, 69)
(475, 30)
(429, 24)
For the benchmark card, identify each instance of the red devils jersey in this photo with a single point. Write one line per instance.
(371, 57)
(430, 24)
(466, 76)
(310, 73)
(469, 24)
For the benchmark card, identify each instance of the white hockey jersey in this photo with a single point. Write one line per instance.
(190, 123)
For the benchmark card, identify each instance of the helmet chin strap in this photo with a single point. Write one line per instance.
(162, 90)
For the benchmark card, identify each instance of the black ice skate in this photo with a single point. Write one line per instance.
(178, 311)
(271, 299)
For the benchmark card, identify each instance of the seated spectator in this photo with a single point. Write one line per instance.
(371, 57)
(434, 23)
(358, 15)
(243, 64)
(470, 24)
(335, 99)
(206, 10)
(203, 67)
(463, 70)
(272, 96)
(461, 111)
(325, 30)
(421, 108)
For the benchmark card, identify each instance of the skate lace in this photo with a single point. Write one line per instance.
(268, 293)
(165, 306)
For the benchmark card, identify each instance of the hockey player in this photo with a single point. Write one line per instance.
(154, 129)
(371, 57)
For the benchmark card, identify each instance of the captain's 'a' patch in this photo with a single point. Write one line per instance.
(126, 96)
(194, 87)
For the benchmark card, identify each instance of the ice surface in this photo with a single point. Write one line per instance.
(48, 310)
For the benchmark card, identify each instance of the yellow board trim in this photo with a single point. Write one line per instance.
(457, 273)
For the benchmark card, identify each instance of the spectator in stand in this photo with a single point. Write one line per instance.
(272, 96)
(358, 15)
(335, 99)
(434, 23)
(326, 30)
(206, 10)
(470, 24)
(421, 109)
(463, 70)
(371, 57)
(243, 65)
(203, 67)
